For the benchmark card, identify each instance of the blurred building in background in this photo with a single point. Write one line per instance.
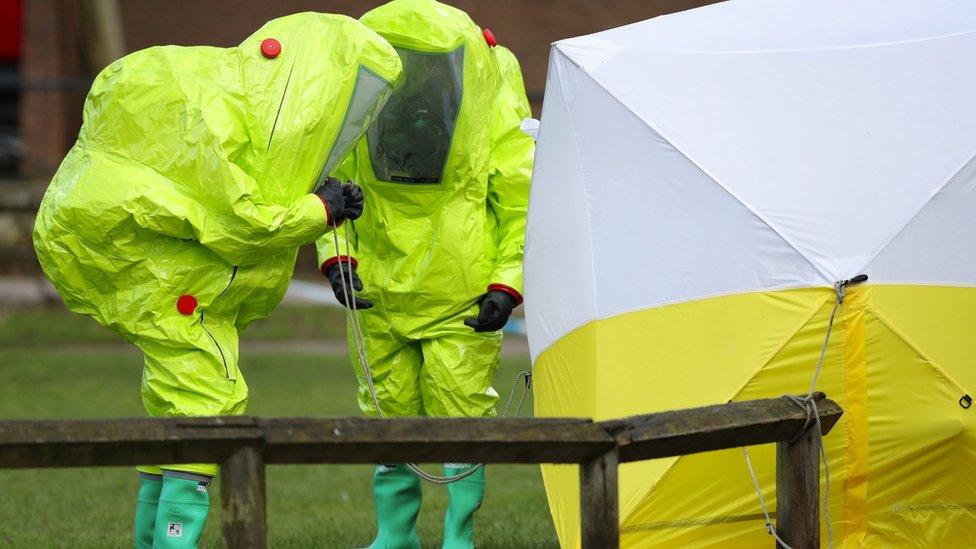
(50, 51)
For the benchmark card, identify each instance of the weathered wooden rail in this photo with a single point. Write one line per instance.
(245, 445)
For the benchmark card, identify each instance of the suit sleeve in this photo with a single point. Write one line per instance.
(231, 220)
(512, 152)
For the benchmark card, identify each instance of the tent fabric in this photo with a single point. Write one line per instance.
(834, 148)
(701, 181)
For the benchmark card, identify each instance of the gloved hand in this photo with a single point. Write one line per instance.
(496, 307)
(344, 201)
(352, 195)
(345, 269)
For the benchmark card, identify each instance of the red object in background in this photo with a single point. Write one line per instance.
(10, 29)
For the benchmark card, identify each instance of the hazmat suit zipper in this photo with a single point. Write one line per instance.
(219, 350)
(233, 275)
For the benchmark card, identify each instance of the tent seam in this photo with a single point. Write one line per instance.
(894, 236)
(586, 188)
(643, 494)
(928, 359)
(586, 195)
(779, 348)
(776, 351)
(828, 279)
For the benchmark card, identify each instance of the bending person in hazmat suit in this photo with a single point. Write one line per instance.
(445, 170)
(176, 217)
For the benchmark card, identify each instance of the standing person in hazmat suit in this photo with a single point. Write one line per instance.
(445, 170)
(176, 217)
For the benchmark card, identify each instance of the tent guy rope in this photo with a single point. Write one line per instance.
(809, 405)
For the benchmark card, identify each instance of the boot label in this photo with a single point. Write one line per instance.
(174, 530)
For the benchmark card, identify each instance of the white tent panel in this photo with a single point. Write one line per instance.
(769, 25)
(560, 282)
(938, 246)
(835, 147)
(620, 221)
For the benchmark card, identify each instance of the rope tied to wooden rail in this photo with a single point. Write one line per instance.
(809, 405)
(770, 529)
(359, 340)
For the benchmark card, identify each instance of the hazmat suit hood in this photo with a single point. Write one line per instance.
(422, 138)
(271, 103)
(296, 139)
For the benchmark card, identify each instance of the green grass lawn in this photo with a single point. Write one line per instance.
(308, 506)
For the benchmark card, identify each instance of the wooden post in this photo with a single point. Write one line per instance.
(243, 516)
(599, 515)
(101, 23)
(798, 491)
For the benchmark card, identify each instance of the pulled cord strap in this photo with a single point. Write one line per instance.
(359, 341)
(809, 405)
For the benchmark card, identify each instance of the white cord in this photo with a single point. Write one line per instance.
(762, 501)
(809, 405)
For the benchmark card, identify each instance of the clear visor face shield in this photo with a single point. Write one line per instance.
(368, 98)
(411, 140)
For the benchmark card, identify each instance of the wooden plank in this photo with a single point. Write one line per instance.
(369, 440)
(114, 442)
(86, 443)
(683, 432)
(242, 491)
(798, 491)
(599, 513)
(432, 440)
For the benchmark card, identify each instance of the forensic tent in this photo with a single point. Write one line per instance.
(702, 181)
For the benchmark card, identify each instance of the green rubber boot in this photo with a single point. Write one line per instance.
(397, 496)
(464, 497)
(146, 503)
(182, 513)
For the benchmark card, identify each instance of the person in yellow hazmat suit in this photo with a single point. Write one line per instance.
(437, 253)
(176, 218)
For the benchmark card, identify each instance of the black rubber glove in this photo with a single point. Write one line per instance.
(331, 193)
(352, 195)
(496, 307)
(344, 201)
(345, 269)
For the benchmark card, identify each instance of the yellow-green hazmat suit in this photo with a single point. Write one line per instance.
(176, 217)
(445, 170)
